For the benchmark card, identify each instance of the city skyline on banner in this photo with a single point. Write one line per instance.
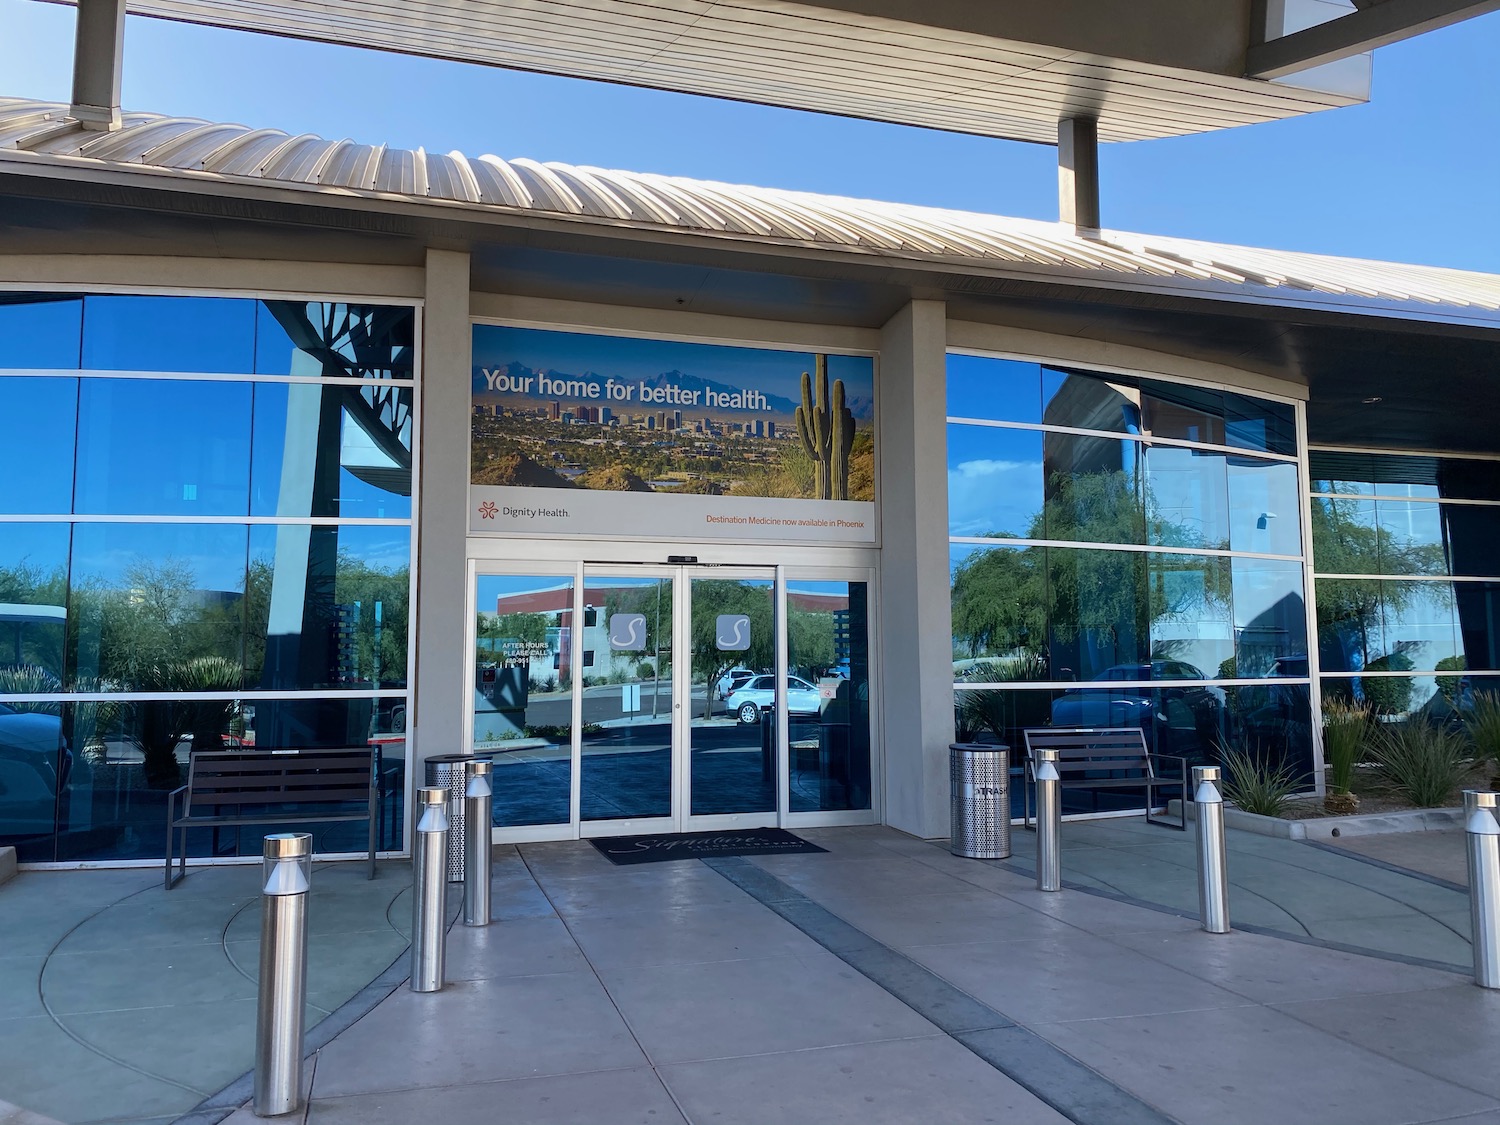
(572, 410)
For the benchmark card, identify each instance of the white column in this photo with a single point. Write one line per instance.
(441, 689)
(916, 644)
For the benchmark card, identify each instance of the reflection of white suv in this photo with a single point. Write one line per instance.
(747, 700)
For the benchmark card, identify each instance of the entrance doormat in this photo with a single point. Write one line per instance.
(695, 845)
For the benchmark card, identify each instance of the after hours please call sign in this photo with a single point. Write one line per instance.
(593, 435)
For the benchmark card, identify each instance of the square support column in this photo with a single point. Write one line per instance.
(442, 690)
(1078, 172)
(916, 642)
(98, 56)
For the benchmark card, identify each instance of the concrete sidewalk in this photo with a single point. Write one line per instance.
(889, 982)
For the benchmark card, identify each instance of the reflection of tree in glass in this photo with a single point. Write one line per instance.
(809, 636)
(36, 644)
(1012, 600)
(713, 597)
(1347, 539)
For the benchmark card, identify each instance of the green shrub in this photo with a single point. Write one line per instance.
(1255, 784)
(1483, 725)
(1345, 727)
(1422, 762)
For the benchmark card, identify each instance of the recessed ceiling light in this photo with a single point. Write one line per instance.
(1372, 400)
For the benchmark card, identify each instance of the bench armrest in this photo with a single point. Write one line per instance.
(1178, 758)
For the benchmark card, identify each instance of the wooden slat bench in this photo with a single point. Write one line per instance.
(271, 787)
(1101, 758)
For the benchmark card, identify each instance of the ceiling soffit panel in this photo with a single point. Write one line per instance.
(795, 55)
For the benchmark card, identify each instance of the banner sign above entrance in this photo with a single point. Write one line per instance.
(581, 434)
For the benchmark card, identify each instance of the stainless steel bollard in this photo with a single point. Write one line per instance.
(477, 856)
(1213, 870)
(429, 890)
(1482, 832)
(286, 870)
(1048, 822)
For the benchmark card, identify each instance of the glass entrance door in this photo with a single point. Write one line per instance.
(617, 699)
(678, 729)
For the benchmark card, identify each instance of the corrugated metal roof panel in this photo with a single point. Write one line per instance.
(172, 144)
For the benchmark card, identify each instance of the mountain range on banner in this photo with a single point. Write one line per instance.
(862, 408)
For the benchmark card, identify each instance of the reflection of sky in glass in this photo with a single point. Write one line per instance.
(163, 446)
(383, 548)
(41, 334)
(493, 586)
(578, 353)
(829, 589)
(38, 444)
(40, 546)
(1005, 390)
(214, 554)
(994, 480)
(169, 334)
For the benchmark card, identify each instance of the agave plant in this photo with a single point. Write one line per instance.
(1345, 728)
(1421, 761)
(162, 724)
(1483, 725)
(1255, 783)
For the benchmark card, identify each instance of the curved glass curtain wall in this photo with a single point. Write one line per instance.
(1127, 552)
(205, 542)
(1405, 551)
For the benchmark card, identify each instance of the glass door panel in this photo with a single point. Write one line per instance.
(828, 651)
(731, 733)
(523, 695)
(628, 701)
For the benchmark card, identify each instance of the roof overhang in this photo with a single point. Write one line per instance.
(1002, 68)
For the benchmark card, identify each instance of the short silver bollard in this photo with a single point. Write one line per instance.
(429, 890)
(477, 855)
(1048, 822)
(1482, 832)
(286, 868)
(1213, 871)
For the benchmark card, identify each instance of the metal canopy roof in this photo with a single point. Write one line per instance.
(1004, 68)
(191, 151)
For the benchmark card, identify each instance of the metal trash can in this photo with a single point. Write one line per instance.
(446, 771)
(979, 777)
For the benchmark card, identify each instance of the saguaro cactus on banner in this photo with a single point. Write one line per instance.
(826, 427)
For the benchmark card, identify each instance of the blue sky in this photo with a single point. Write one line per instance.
(1413, 176)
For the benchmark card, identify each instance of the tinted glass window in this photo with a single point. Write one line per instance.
(1093, 489)
(1265, 510)
(36, 451)
(40, 332)
(1187, 498)
(329, 339)
(1270, 620)
(331, 451)
(163, 446)
(210, 334)
(995, 482)
(1088, 402)
(34, 596)
(157, 607)
(1005, 390)
(327, 607)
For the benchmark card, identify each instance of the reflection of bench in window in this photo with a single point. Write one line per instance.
(271, 787)
(1104, 758)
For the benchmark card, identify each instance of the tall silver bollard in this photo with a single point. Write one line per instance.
(1048, 822)
(1483, 834)
(1213, 871)
(286, 869)
(429, 889)
(477, 857)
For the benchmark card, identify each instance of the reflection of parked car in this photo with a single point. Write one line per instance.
(732, 680)
(1185, 720)
(747, 701)
(32, 773)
